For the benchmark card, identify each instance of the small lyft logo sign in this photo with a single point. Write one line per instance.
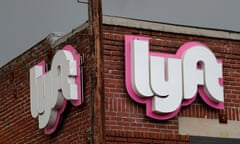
(165, 82)
(50, 90)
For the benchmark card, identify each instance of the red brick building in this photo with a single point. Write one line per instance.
(125, 120)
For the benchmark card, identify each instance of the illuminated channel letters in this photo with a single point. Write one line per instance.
(49, 91)
(165, 82)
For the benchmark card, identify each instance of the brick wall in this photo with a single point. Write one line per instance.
(16, 122)
(126, 120)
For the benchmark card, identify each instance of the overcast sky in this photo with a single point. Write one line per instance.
(23, 23)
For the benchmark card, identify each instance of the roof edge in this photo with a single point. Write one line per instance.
(68, 35)
(172, 28)
(62, 37)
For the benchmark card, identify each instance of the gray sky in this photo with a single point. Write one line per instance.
(25, 22)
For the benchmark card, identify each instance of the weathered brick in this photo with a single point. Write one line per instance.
(125, 120)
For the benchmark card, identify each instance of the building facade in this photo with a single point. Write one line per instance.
(126, 119)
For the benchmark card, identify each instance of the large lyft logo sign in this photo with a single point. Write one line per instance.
(50, 90)
(165, 82)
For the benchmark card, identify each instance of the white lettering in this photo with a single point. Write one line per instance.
(50, 90)
(169, 80)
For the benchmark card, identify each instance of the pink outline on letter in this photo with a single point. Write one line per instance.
(148, 101)
(78, 102)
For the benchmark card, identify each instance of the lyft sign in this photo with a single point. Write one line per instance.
(165, 82)
(49, 91)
